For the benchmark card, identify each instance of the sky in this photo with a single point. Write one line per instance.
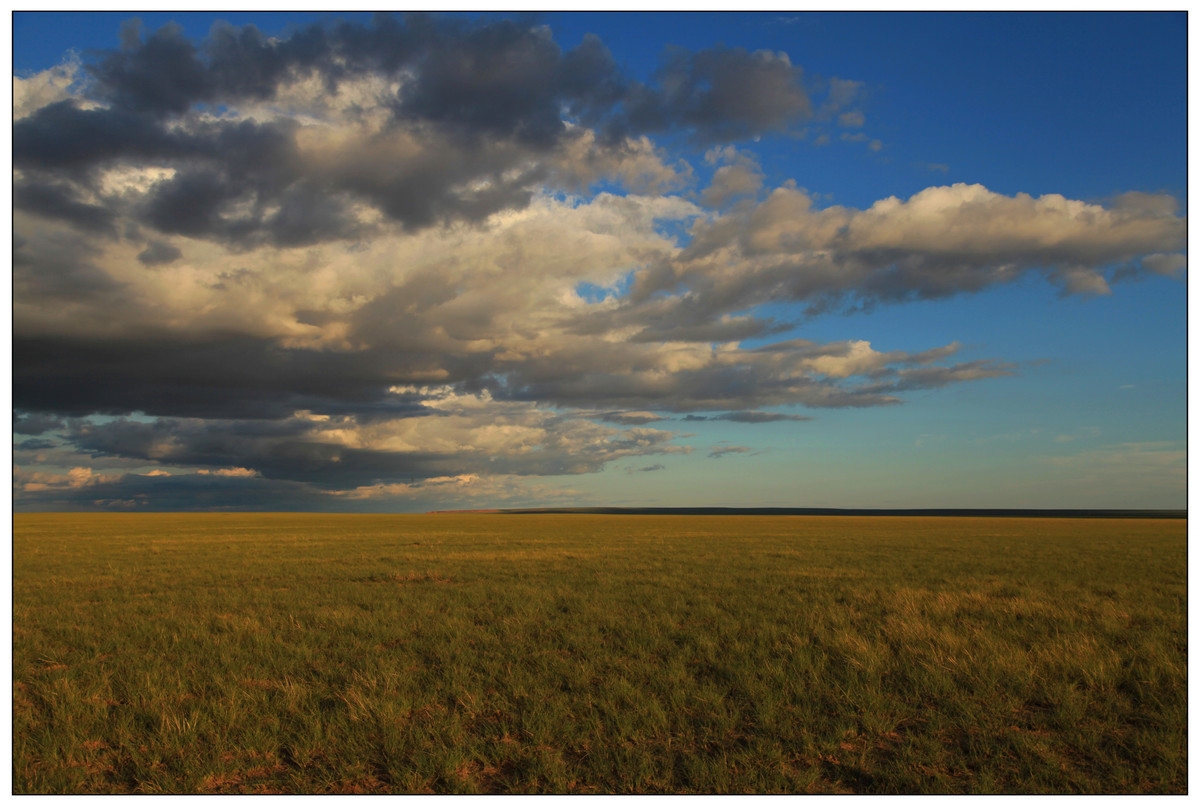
(389, 263)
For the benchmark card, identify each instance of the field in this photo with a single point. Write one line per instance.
(602, 654)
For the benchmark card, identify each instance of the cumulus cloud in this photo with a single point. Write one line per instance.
(939, 242)
(431, 121)
(33, 92)
(1165, 264)
(738, 175)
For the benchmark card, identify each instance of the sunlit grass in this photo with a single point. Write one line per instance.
(576, 653)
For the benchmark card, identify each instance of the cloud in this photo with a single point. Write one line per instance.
(36, 424)
(74, 479)
(841, 93)
(852, 120)
(468, 434)
(158, 253)
(730, 94)
(34, 445)
(338, 265)
(60, 201)
(725, 450)
(1142, 471)
(939, 242)
(31, 93)
(424, 122)
(631, 417)
(759, 417)
(1170, 265)
(741, 175)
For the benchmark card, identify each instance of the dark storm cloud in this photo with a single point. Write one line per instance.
(299, 449)
(498, 81)
(63, 137)
(166, 493)
(59, 201)
(497, 78)
(165, 73)
(35, 424)
(212, 376)
(469, 85)
(478, 107)
(160, 75)
(278, 449)
(34, 445)
(723, 94)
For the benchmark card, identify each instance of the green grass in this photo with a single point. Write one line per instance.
(613, 654)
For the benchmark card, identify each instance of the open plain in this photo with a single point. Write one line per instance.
(598, 653)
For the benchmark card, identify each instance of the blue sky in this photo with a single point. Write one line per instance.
(853, 259)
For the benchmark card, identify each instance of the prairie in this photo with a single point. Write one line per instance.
(598, 653)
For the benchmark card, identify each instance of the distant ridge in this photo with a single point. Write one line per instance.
(949, 513)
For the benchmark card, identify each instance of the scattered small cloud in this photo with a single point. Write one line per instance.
(724, 450)
(852, 120)
(1091, 432)
(158, 254)
(759, 417)
(631, 417)
(231, 472)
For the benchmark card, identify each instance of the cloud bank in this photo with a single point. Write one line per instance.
(427, 257)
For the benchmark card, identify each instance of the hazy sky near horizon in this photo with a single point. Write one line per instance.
(275, 261)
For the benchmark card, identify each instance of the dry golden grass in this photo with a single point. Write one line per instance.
(584, 653)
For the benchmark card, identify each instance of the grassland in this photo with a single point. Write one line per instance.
(577, 653)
